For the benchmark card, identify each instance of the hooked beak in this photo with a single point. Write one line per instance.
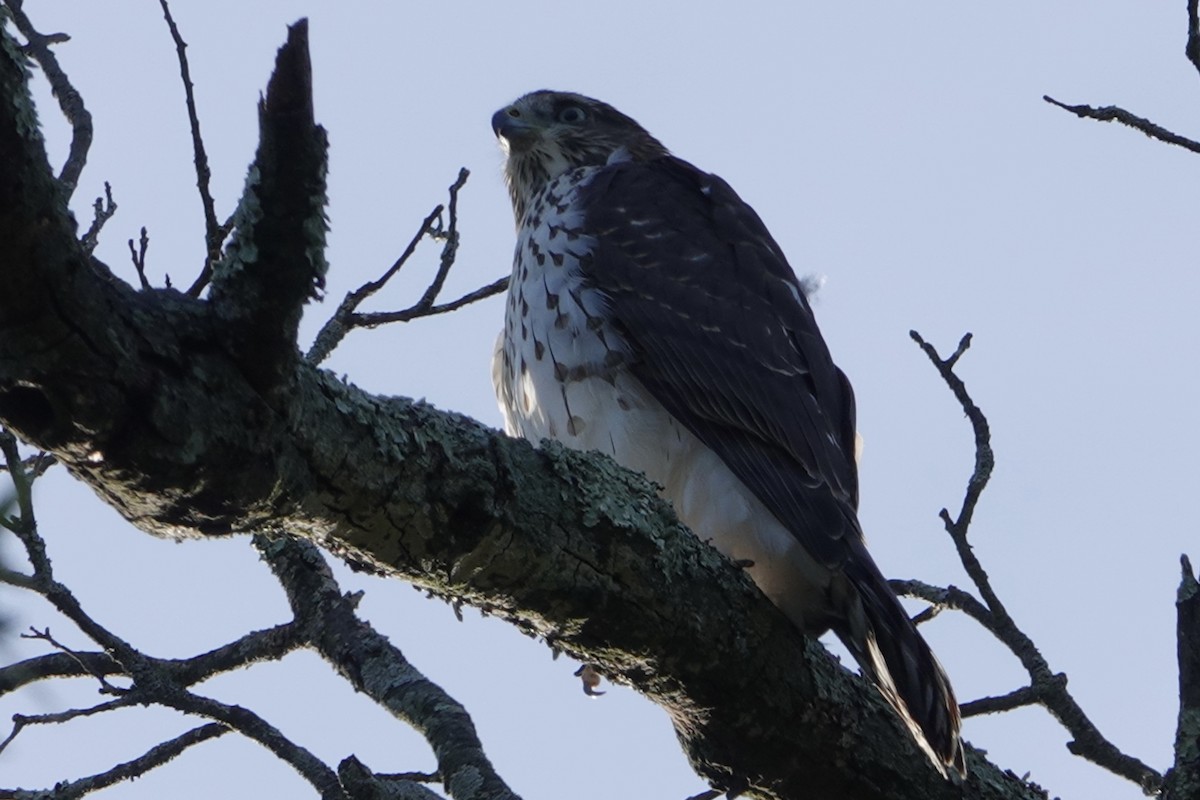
(513, 129)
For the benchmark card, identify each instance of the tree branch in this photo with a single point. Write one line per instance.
(1050, 688)
(213, 234)
(138, 257)
(102, 211)
(346, 318)
(69, 100)
(1116, 114)
(276, 259)
(374, 666)
(56, 665)
(1192, 49)
(154, 757)
(147, 397)
(1183, 780)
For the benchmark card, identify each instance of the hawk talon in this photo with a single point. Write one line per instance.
(591, 679)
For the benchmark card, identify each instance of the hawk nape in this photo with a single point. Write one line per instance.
(652, 317)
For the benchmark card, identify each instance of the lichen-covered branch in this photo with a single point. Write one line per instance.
(377, 668)
(154, 681)
(69, 100)
(148, 397)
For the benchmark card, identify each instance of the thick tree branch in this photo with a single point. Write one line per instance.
(147, 398)
(375, 667)
(1183, 780)
(276, 260)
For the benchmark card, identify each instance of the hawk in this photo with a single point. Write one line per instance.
(652, 317)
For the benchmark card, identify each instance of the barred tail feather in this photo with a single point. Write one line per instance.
(896, 658)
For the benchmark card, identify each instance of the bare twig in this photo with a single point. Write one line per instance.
(154, 757)
(155, 683)
(252, 726)
(13, 578)
(213, 236)
(1025, 696)
(78, 658)
(69, 100)
(1116, 114)
(20, 721)
(1050, 688)
(138, 257)
(948, 597)
(35, 465)
(417, 311)
(56, 665)
(450, 246)
(270, 644)
(102, 211)
(24, 525)
(346, 318)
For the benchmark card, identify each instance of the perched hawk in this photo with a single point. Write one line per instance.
(652, 317)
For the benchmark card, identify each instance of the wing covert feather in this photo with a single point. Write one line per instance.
(740, 362)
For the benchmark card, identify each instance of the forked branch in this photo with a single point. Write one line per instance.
(1046, 687)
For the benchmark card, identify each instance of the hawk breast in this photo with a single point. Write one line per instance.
(562, 371)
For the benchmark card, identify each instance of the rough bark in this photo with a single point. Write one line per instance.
(1183, 779)
(166, 406)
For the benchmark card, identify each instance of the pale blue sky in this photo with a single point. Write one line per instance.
(904, 153)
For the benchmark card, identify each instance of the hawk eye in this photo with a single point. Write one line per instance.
(572, 115)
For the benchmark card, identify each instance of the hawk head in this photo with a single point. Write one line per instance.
(546, 133)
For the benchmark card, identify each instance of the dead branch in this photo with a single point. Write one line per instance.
(1049, 688)
(1117, 114)
(1183, 779)
(102, 211)
(346, 318)
(154, 757)
(1192, 49)
(377, 668)
(138, 256)
(69, 100)
(213, 236)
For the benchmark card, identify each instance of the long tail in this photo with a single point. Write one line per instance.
(896, 658)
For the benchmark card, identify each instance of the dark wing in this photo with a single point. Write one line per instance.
(723, 336)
